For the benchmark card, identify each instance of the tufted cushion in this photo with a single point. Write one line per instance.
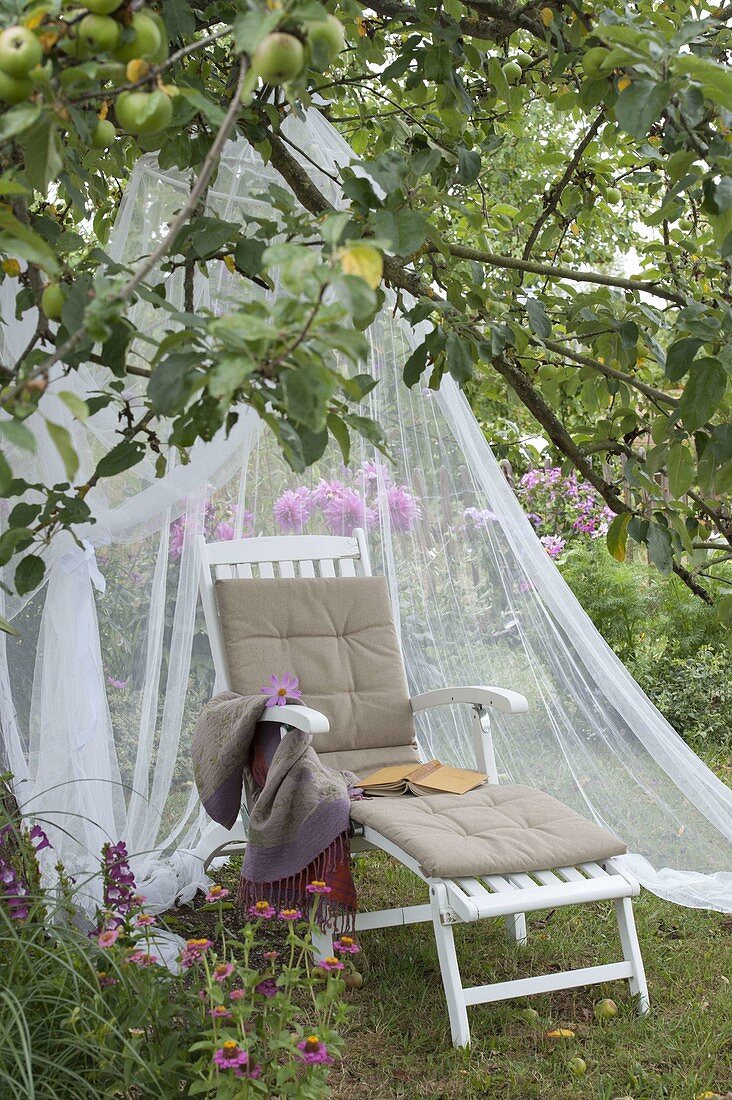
(336, 634)
(492, 830)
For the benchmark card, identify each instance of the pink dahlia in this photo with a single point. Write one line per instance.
(292, 510)
(404, 508)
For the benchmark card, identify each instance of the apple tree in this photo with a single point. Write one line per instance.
(548, 184)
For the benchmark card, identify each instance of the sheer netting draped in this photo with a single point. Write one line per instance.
(101, 688)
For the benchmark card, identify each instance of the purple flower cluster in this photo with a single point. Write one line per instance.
(119, 884)
(344, 507)
(561, 508)
(13, 889)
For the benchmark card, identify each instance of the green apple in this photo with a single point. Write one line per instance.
(606, 1009)
(327, 39)
(686, 224)
(52, 301)
(14, 89)
(530, 1015)
(102, 7)
(512, 72)
(577, 1066)
(160, 55)
(593, 62)
(612, 195)
(353, 980)
(143, 112)
(99, 32)
(103, 134)
(278, 58)
(524, 60)
(146, 42)
(20, 51)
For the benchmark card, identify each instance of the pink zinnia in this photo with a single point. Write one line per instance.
(280, 689)
(404, 508)
(314, 1052)
(217, 893)
(141, 958)
(331, 963)
(292, 510)
(290, 914)
(106, 939)
(346, 945)
(271, 955)
(317, 886)
(144, 920)
(261, 909)
(220, 1012)
(222, 971)
(267, 988)
(237, 994)
(230, 1056)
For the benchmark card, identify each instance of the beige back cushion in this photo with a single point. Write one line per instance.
(337, 636)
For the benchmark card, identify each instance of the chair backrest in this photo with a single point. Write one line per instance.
(295, 604)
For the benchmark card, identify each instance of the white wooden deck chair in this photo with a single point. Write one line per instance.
(282, 605)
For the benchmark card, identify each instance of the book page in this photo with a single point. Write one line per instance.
(395, 773)
(449, 780)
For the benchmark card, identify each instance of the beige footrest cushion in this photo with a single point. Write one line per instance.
(492, 830)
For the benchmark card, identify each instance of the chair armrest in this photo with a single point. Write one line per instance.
(299, 718)
(508, 702)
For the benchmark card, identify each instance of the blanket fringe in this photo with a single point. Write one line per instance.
(334, 912)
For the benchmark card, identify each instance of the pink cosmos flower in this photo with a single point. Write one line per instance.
(314, 1052)
(217, 893)
(317, 886)
(290, 914)
(144, 920)
(346, 945)
(261, 909)
(106, 939)
(222, 971)
(331, 963)
(404, 508)
(292, 510)
(280, 689)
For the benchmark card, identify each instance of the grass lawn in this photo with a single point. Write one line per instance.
(398, 1040)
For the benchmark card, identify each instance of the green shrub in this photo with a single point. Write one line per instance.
(673, 643)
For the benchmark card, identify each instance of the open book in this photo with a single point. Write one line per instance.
(430, 778)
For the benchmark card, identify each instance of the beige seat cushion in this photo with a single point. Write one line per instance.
(492, 830)
(337, 636)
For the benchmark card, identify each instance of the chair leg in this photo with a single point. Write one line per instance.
(450, 971)
(632, 952)
(516, 928)
(323, 945)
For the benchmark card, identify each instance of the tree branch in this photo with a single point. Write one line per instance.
(610, 372)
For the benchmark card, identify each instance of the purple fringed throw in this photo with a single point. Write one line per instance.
(299, 808)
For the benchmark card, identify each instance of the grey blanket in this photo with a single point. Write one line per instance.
(298, 807)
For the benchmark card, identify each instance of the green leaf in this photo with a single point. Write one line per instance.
(126, 454)
(65, 447)
(171, 383)
(617, 536)
(639, 106)
(680, 468)
(6, 627)
(76, 405)
(179, 18)
(307, 390)
(659, 548)
(680, 357)
(469, 165)
(339, 430)
(540, 323)
(405, 230)
(43, 154)
(498, 79)
(21, 242)
(459, 358)
(702, 394)
(29, 574)
(714, 80)
(17, 119)
(18, 434)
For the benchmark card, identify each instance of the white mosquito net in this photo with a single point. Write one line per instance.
(100, 691)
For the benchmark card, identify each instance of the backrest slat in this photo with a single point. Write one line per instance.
(307, 568)
(327, 567)
(348, 567)
(287, 569)
(266, 569)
